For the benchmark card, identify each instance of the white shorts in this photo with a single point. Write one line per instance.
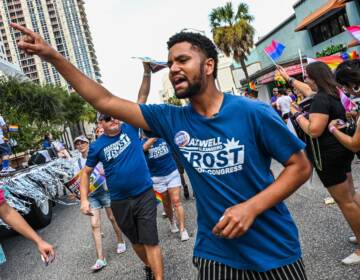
(163, 183)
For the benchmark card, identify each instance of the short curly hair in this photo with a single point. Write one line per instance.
(200, 41)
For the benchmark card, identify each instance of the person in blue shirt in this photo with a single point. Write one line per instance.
(167, 181)
(133, 202)
(226, 145)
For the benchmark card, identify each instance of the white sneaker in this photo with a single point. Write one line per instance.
(121, 248)
(352, 259)
(352, 239)
(184, 235)
(173, 227)
(8, 169)
(100, 264)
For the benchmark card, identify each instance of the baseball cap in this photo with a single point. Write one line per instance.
(81, 138)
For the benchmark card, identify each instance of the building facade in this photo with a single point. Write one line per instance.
(62, 23)
(314, 26)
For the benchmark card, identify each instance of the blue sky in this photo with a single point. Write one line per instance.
(125, 28)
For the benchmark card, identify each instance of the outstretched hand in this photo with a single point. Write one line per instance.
(32, 43)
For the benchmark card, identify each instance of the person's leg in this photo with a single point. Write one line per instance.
(145, 212)
(167, 206)
(96, 231)
(352, 188)
(155, 259)
(174, 194)
(350, 209)
(141, 253)
(114, 224)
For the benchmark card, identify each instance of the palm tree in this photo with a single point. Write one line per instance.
(232, 32)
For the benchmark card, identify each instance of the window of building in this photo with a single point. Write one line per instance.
(329, 27)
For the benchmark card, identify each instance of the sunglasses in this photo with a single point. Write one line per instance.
(107, 118)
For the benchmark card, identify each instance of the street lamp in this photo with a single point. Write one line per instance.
(193, 29)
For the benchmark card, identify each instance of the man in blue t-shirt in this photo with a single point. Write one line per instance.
(167, 181)
(226, 145)
(133, 202)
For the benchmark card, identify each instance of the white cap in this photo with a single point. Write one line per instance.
(81, 138)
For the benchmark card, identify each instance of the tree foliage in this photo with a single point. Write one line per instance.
(38, 109)
(174, 101)
(232, 32)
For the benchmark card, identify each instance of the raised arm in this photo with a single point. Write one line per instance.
(145, 84)
(99, 97)
(300, 86)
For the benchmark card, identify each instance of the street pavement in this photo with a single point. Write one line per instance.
(322, 228)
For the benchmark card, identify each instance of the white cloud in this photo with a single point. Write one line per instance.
(122, 29)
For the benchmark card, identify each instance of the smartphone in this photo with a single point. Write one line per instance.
(340, 122)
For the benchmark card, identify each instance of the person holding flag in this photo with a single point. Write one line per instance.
(97, 194)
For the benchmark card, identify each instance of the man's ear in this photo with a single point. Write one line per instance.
(209, 66)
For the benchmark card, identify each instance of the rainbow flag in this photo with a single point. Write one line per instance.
(274, 50)
(13, 128)
(332, 60)
(354, 31)
(252, 86)
(159, 198)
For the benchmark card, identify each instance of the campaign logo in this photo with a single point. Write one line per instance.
(214, 156)
(114, 150)
(182, 138)
(159, 151)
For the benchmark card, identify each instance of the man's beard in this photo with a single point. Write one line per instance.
(194, 87)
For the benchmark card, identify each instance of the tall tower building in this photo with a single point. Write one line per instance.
(62, 23)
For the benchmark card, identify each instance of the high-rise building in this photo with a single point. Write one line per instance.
(62, 23)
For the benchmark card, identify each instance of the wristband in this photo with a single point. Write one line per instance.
(147, 74)
(332, 129)
(291, 81)
(299, 117)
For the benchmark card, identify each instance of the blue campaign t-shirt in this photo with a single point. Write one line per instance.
(124, 162)
(227, 158)
(159, 159)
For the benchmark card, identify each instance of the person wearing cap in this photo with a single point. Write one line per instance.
(98, 198)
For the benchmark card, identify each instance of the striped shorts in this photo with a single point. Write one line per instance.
(212, 270)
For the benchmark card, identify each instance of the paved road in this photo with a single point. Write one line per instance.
(323, 231)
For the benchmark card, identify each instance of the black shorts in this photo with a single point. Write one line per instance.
(136, 216)
(334, 170)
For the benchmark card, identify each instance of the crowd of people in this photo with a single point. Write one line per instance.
(225, 144)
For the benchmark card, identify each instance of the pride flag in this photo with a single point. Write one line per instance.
(252, 86)
(274, 50)
(159, 198)
(354, 31)
(332, 60)
(13, 128)
(348, 104)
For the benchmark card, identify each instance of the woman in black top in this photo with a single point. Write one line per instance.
(332, 161)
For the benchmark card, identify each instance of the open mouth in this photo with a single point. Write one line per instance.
(179, 82)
